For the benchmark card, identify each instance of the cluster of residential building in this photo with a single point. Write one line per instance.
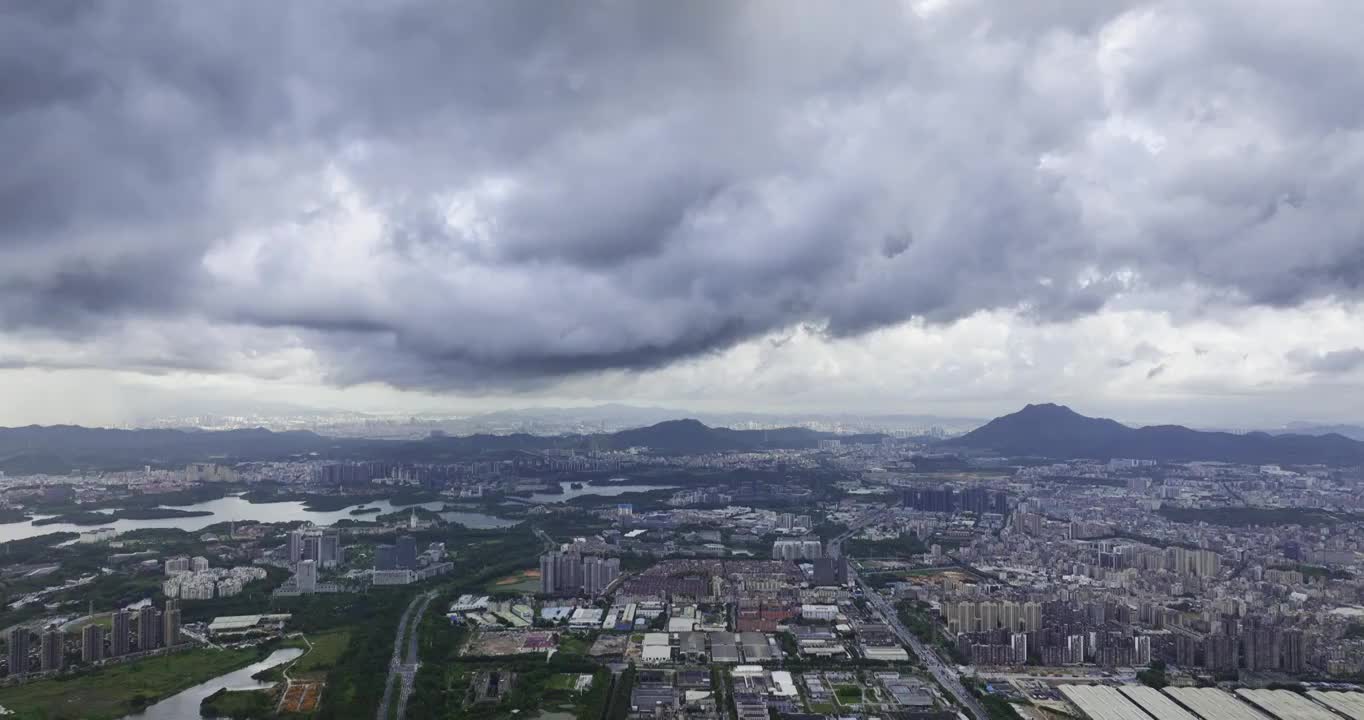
(40, 651)
(200, 582)
(569, 571)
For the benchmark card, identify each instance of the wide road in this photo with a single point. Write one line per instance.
(403, 665)
(941, 671)
(834, 548)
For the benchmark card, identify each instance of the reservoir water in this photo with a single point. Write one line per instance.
(611, 490)
(185, 705)
(237, 509)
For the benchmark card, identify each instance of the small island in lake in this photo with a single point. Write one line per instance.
(364, 511)
(158, 513)
(137, 513)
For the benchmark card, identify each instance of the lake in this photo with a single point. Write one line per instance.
(615, 488)
(477, 520)
(237, 509)
(185, 704)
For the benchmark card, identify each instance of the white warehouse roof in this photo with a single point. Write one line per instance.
(1160, 707)
(1349, 704)
(1287, 705)
(1101, 702)
(1213, 704)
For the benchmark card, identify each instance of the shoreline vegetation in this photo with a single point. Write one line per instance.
(115, 691)
(98, 518)
(13, 515)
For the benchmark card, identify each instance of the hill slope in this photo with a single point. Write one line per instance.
(1056, 431)
(66, 448)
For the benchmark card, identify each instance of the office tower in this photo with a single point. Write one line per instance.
(1220, 652)
(18, 650)
(591, 575)
(295, 545)
(1141, 646)
(170, 621)
(976, 500)
(306, 576)
(1075, 649)
(329, 549)
(1018, 649)
(571, 573)
(549, 573)
(989, 616)
(1010, 617)
(92, 643)
(385, 557)
(797, 550)
(598, 573)
(931, 499)
(148, 629)
(407, 552)
(119, 639)
(825, 572)
(51, 654)
(1293, 658)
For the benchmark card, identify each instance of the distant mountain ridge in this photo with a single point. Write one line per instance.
(1354, 432)
(1056, 431)
(67, 448)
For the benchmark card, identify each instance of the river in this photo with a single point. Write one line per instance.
(237, 509)
(185, 705)
(615, 488)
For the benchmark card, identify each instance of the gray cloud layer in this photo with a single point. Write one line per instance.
(441, 196)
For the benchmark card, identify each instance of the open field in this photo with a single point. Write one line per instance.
(120, 689)
(327, 648)
(520, 582)
(104, 620)
(848, 694)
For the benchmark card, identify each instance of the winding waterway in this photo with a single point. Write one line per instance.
(185, 704)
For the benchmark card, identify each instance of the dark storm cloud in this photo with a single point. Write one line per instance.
(438, 196)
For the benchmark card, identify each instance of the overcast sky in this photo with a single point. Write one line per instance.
(1148, 210)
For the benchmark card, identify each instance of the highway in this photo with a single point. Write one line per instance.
(404, 665)
(941, 671)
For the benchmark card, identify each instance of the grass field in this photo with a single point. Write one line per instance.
(563, 681)
(518, 582)
(327, 647)
(848, 694)
(120, 689)
(104, 620)
(573, 645)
